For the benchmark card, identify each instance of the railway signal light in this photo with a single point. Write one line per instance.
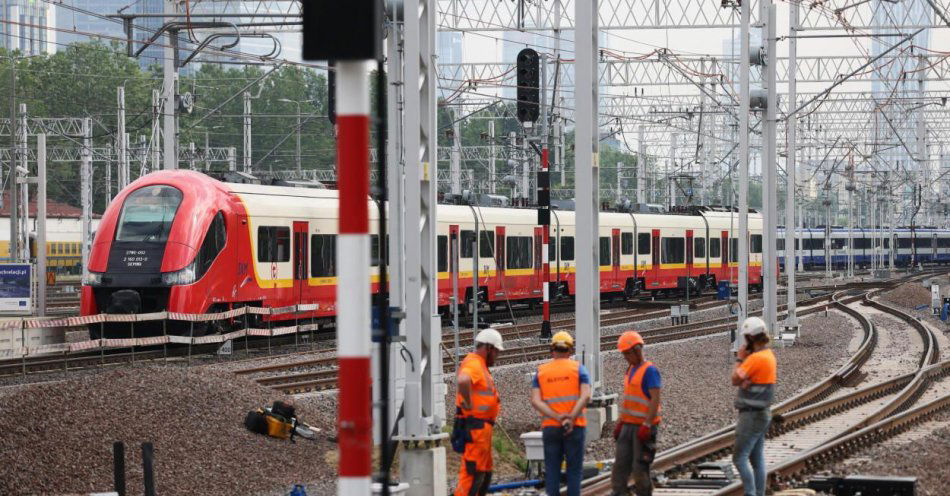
(529, 80)
(350, 30)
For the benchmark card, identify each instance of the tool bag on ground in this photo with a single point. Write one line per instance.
(277, 421)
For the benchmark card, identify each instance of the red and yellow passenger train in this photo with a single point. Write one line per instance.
(181, 241)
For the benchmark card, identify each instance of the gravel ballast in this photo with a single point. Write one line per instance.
(924, 457)
(57, 437)
(697, 393)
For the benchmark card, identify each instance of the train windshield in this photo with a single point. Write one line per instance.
(147, 214)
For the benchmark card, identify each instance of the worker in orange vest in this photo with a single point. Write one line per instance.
(476, 407)
(635, 433)
(755, 375)
(560, 391)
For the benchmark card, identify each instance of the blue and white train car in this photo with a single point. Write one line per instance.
(927, 244)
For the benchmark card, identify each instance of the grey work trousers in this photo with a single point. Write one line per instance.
(626, 460)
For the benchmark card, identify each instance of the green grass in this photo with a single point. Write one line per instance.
(508, 450)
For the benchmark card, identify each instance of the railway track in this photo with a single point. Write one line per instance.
(809, 429)
(325, 378)
(122, 356)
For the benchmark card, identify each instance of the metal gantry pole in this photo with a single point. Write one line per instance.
(41, 224)
(23, 167)
(122, 141)
(587, 192)
(169, 94)
(641, 166)
(156, 145)
(299, 132)
(791, 164)
(355, 425)
(456, 159)
(85, 191)
(492, 157)
(769, 179)
(743, 131)
(420, 429)
(13, 248)
(247, 132)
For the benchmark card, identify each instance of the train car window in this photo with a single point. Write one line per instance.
(923, 242)
(672, 250)
(552, 249)
(374, 250)
(903, 243)
(887, 243)
(322, 255)
(943, 242)
(734, 250)
(211, 246)
(643, 243)
(755, 243)
(273, 244)
(567, 248)
(699, 247)
(486, 244)
(147, 214)
(518, 250)
(467, 239)
(837, 243)
(442, 248)
(626, 243)
(862, 243)
(604, 250)
(714, 251)
(815, 243)
(780, 244)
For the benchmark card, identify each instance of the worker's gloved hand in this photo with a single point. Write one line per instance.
(617, 428)
(644, 433)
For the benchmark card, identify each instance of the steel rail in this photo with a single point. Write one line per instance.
(791, 413)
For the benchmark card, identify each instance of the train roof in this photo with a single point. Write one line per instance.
(259, 189)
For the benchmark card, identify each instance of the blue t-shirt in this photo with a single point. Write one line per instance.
(581, 371)
(651, 379)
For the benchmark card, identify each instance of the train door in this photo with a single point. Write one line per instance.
(689, 255)
(454, 277)
(933, 247)
(500, 261)
(724, 251)
(538, 282)
(615, 281)
(655, 239)
(300, 261)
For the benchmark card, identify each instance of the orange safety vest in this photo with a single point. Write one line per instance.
(560, 384)
(636, 405)
(485, 402)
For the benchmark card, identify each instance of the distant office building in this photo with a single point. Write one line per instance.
(25, 26)
(892, 69)
(449, 51)
(76, 25)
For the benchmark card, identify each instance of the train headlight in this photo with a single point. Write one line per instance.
(92, 279)
(180, 277)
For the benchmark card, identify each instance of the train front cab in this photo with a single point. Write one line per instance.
(149, 257)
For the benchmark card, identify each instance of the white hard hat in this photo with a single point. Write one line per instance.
(490, 336)
(753, 326)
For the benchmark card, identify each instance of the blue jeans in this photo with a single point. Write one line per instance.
(748, 455)
(558, 446)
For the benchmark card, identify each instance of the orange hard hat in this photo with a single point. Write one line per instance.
(628, 340)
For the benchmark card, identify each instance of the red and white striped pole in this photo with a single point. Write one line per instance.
(353, 321)
(544, 218)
